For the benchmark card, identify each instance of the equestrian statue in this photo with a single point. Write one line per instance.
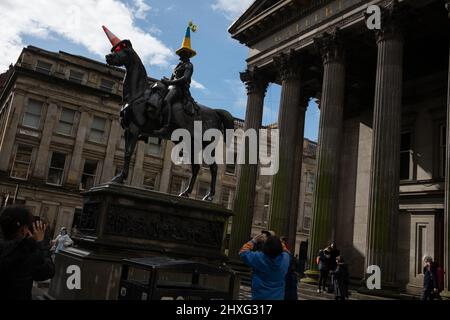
(157, 109)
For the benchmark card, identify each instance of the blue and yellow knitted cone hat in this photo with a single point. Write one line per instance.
(186, 46)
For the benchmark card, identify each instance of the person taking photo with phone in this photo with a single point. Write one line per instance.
(24, 255)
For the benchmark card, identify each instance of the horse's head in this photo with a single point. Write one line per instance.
(120, 54)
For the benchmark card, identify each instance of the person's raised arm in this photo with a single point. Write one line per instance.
(43, 267)
(246, 253)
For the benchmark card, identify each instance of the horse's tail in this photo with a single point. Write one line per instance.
(227, 122)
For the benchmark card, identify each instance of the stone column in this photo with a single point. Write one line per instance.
(331, 125)
(44, 146)
(384, 182)
(166, 172)
(286, 183)
(12, 123)
(246, 190)
(447, 187)
(108, 164)
(73, 178)
(138, 169)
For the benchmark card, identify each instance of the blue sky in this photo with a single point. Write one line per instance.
(156, 29)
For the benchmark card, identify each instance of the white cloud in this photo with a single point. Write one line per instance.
(141, 8)
(79, 22)
(197, 85)
(238, 96)
(232, 8)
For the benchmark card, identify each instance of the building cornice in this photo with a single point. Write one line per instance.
(272, 19)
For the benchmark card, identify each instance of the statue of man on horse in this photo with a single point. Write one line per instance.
(157, 109)
(180, 82)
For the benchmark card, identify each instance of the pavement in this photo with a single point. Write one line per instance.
(309, 292)
(305, 292)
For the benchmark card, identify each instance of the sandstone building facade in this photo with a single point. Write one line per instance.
(60, 135)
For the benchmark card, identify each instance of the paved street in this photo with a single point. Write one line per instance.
(309, 292)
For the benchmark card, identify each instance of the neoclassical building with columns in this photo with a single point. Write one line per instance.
(383, 176)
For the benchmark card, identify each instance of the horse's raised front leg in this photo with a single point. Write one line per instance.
(212, 189)
(131, 139)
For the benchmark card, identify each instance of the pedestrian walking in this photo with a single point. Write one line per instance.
(341, 279)
(430, 280)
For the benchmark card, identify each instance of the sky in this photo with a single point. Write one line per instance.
(156, 29)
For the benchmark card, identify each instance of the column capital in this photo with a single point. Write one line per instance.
(330, 45)
(254, 81)
(288, 65)
(392, 22)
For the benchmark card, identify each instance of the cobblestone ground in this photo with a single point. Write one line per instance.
(309, 292)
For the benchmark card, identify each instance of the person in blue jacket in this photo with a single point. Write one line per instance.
(269, 266)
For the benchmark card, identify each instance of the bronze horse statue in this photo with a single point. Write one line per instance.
(141, 115)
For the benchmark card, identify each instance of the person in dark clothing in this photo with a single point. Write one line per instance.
(323, 271)
(290, 292)
(341, 279)
(333, 253)
(430, 280)
(24, 255)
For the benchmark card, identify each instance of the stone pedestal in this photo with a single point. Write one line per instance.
(120, 222)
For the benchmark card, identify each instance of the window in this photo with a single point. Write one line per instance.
(406, 155)
(56, 170)
(122, 142)
(178, 185)
(22, 162)
(310, 182)
(231, 168)
(118, 170)
(32, 115)
(66, 121)
(76, 76)
(307, 214)
(106, 85)
(98, 130)
(153, 147)
(227, 198)
(311, 149)
(43, 67)
(89, 174)
(442, 150)
(202, 190)
(150, 180)
(76, 218)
